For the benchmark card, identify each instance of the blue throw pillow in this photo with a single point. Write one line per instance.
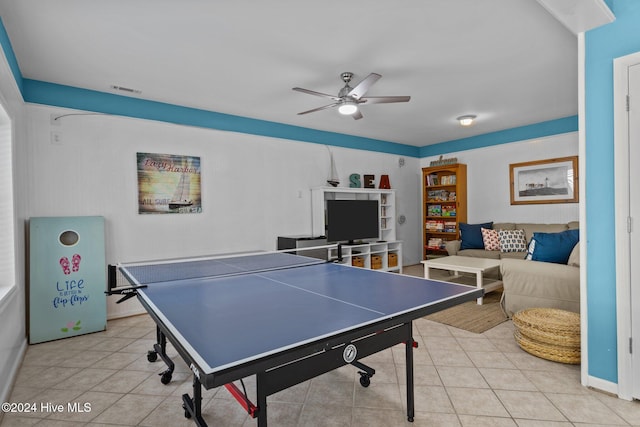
(553, 247)
(471, 235)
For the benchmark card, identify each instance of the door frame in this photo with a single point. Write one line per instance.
(622, 236)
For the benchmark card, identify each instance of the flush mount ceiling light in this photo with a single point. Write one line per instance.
(348, 108)
(466, 120)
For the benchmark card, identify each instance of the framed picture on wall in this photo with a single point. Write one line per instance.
(168, 184)
(544, 181)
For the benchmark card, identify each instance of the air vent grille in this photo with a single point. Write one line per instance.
(126, 89)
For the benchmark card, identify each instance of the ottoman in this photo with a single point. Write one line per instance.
(549, 333)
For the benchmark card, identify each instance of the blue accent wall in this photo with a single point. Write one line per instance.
(602, 46)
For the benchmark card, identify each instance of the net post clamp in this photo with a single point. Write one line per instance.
(128, 292)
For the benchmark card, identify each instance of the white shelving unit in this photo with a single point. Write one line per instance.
(366, 252)
(385, 245)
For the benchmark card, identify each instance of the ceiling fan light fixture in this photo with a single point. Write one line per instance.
(466, 120)
(348, 108)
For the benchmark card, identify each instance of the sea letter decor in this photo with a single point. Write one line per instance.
(369, 181)
(354, 180)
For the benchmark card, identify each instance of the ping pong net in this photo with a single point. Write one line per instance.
(141, 274)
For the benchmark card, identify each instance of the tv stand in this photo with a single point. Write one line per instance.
(362, 252)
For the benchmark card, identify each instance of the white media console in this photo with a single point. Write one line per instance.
(365, 254)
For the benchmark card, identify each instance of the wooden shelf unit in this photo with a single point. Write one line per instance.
(444, 206)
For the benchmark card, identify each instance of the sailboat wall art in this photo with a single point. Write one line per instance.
(168, 184)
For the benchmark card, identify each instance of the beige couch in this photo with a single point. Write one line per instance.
(533, 283)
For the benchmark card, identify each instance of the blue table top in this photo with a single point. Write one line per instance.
(232, 319)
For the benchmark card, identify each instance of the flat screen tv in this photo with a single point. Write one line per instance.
(351, 220)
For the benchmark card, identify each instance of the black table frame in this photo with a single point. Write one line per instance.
(286, 368)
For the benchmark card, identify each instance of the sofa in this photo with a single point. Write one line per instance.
(533, 282)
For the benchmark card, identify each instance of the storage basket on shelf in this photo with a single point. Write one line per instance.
(376, 262)
(357, 261)
(392, 260)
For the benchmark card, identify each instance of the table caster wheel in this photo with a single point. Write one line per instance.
(165, 377)
(152, 356)
(365, 380)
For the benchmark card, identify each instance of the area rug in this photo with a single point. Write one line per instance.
(469, 315)
(473, 317)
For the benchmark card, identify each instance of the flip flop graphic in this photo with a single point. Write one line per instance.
(64, 263)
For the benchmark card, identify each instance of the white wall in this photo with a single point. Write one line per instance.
(488, 194)
(253, 188)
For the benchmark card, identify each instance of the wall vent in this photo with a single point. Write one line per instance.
(126, 89)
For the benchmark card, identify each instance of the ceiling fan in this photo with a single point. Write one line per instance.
(349, 98)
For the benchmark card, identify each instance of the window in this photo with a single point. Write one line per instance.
(7, 258)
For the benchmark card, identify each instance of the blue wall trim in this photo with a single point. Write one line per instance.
(39, 92)
(538, 130)
(89, 100)
(10, 55)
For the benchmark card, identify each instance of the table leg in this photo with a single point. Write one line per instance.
(426, 272)
(261, 399)
(160, 349)
(193, 406)
(479, 286)
(409, 372)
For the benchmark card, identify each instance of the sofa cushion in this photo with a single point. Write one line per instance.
(504, 225)
(490, 239)
(574, 257)
(513, 255)
(530, 228)
(472, 236)
(553, 247)
(480, 253)
(512, 241)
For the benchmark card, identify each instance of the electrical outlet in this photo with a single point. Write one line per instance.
(56, 138)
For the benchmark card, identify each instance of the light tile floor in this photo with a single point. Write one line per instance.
(461, 379)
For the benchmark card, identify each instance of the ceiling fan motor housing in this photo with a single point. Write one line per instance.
(346, 76)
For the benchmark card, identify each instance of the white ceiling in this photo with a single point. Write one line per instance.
(507, 61)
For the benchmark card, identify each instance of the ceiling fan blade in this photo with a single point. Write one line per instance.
(320, 108)
(362, 87)
(313, 92)
(384, 99)
(357, 115)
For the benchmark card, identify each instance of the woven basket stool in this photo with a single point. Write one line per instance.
(549, 333)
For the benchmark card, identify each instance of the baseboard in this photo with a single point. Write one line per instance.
(602, 385)
(13, 372)
(126, 313)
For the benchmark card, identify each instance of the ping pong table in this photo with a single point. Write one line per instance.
(281, 317)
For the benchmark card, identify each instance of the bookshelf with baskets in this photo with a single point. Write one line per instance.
(444, 206)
